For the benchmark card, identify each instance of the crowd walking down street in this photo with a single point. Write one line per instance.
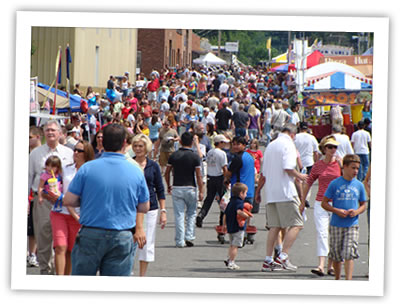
(198, 172)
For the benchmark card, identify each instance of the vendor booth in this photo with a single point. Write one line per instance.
(63, 102)
(209, 60)
(336, 88)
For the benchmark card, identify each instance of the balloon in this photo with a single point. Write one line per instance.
(110, 95)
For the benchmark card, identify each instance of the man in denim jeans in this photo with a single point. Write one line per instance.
(186, 167)
(110, 191)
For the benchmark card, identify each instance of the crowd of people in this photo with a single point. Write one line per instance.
(98, 179)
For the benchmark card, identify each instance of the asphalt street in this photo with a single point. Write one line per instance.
(206, 258)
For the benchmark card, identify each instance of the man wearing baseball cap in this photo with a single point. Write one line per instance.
(217, 165)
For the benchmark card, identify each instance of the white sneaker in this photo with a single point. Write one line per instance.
(286, 264)
(32, 261)
(233, 266)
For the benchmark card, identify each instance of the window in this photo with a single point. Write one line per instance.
(179, 31)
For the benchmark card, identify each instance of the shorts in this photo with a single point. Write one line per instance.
(284, 214)
(64, 228)
(343, 243)
(237, 238)
(163, 159)
(152, 96)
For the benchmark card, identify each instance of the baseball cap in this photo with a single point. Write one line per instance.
(220, 138)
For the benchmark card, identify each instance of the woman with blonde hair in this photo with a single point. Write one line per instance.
(142, 146)
(325, 170)
(254, 129)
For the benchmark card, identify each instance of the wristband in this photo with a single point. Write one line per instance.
(163, 210)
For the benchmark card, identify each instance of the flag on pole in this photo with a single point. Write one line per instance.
(58, 77)
(269, 43)
(68, 59)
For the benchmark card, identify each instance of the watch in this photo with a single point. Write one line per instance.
(163, 210)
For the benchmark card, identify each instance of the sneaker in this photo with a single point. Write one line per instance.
(189, 243)
(199, 222)
(271, 266)
(286, 264)
(233, 266)
(32, 261)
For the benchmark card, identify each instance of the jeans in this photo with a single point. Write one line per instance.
(184, 197)
(253, 133)
(111, 252)
(240, 131)
(267, 132)
(362, 172)
(215, 185)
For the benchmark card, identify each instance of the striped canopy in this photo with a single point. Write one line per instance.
(339, 81)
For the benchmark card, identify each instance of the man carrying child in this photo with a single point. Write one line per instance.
(348, 198)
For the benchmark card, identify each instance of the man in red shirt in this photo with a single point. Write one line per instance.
(152, 88)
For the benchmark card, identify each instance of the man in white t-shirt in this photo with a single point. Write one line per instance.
(307, 145)
(164, 108)
(344, 147)
(207, 118)
(283, 205)
(361, 141)
(223, 88)
(217, 165)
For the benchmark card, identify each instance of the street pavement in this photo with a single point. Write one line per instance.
(206, 258)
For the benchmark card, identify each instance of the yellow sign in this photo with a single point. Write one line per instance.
(329, 98)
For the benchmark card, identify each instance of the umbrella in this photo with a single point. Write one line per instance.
(281, 68)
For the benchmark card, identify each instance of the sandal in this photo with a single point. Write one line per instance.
(331, 272)
(318, 271)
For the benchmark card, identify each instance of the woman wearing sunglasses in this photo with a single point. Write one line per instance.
(65, 224)
(325, 170)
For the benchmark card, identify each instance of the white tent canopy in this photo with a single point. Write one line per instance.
(329, 68)
(209, 59)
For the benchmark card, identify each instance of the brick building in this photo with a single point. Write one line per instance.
(158, 48)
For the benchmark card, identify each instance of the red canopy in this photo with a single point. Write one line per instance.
(312, 60)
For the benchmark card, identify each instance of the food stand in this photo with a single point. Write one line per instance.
(338, 88)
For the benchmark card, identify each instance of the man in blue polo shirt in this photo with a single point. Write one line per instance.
(110, 191)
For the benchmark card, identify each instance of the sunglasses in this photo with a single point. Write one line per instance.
(331, 146)
(78, 150)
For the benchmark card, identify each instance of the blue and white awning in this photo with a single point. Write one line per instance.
(339, 81)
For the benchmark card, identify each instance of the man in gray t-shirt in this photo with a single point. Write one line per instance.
(241, 121)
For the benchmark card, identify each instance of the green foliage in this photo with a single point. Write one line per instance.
(252, 44)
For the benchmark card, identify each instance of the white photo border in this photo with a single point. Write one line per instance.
(378, 25)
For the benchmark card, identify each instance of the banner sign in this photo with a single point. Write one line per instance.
(313, 99)
(232, 46)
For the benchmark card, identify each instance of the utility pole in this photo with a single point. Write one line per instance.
(219, 43)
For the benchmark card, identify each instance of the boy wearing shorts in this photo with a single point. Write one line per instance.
(236, 233)
(348, 198)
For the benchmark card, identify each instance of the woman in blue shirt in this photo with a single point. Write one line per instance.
(142, 145)
(154, 131)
